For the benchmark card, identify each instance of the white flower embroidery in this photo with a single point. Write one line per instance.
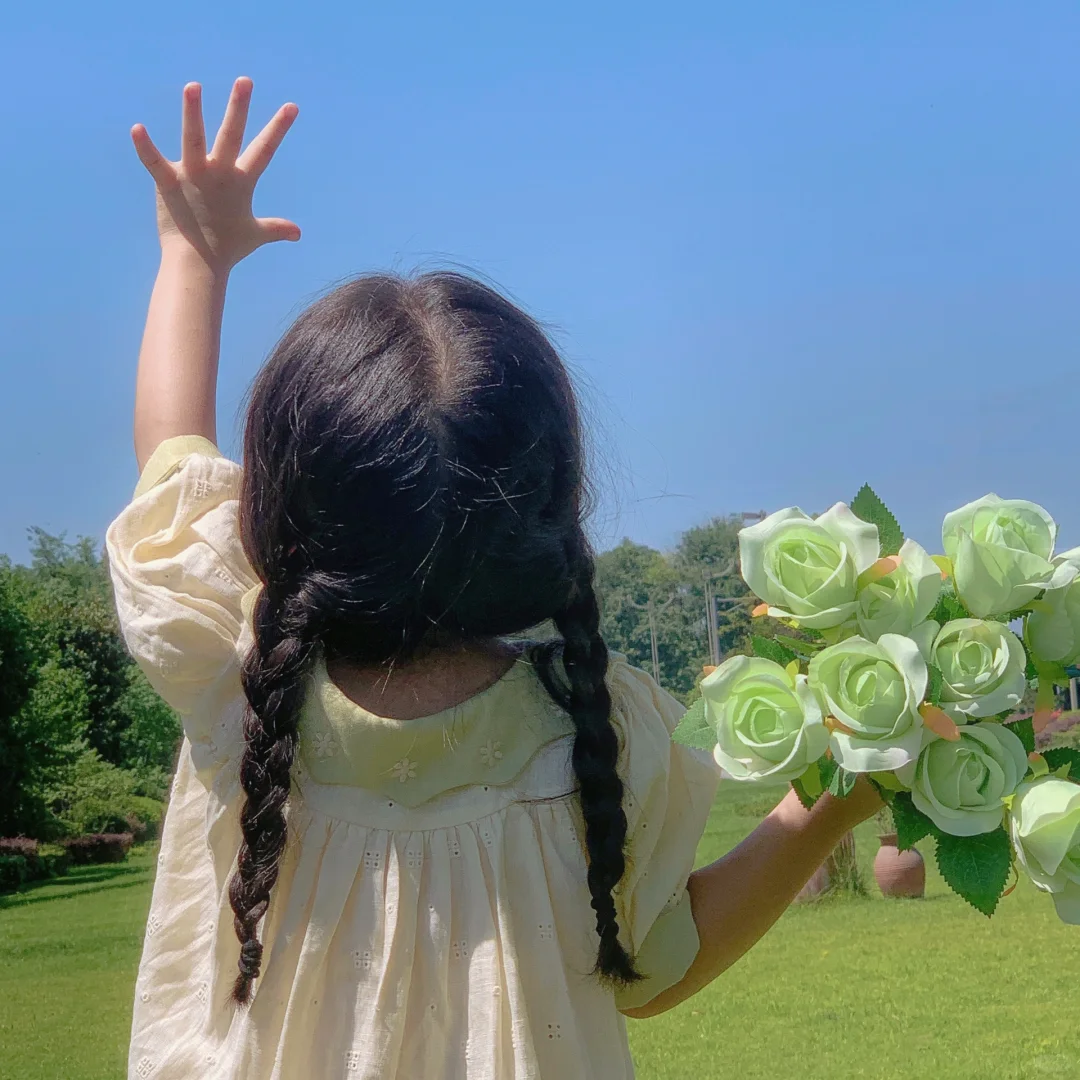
(324, 744)
(490, 753)
(405, 770)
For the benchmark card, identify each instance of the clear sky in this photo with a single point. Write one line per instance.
(789, 246)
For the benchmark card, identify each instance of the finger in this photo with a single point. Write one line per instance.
(193, 139)
(157, 165)
(273, 229)
(262, 148)
(230, 136)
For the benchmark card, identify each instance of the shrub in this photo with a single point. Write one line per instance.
(19, 845)
(94, 798)
(54, 860)
(12, 872)
(99, 848)
(144, 818)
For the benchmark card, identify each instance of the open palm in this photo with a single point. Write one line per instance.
(204, 199)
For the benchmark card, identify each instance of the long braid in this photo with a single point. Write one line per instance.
(273, 679)
(585, 696)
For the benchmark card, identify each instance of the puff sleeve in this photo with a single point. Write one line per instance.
(669, 792)
(180, 579)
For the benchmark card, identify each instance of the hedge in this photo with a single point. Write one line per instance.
(23, 860)
(99, 848)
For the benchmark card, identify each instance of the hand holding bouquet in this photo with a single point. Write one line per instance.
(903, 667)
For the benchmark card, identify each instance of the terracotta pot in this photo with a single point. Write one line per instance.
(899, 873)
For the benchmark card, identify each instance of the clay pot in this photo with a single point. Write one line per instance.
(899, 873)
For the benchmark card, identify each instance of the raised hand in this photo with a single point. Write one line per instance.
(204, 199)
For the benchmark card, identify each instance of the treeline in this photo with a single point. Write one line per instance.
(631, 577)
(86, 746)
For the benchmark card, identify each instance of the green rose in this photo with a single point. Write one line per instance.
(1001, 551)
(807, 568)
(767, 721)
(1045, 825)
(962, 786)
(1054, 626)
(872, 691)
(983, 668)
(901, 601)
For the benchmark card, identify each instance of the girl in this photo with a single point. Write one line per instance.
(399, 846)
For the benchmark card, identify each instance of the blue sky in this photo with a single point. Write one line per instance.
(788, 247)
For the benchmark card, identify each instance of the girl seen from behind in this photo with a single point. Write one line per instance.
(400, 844)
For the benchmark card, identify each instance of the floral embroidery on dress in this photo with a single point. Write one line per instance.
(362, 960)
(324, 744)
(554, 1031)
(547, 932)
(201, 488)
(352, 1061)
(153, 925)
(405, 769)
(490, 753)
(145, 1067)
(460, 949)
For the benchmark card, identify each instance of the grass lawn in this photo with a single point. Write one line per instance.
(840, 989)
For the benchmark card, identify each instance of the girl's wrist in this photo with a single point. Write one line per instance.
(830, 817)
(177, 252)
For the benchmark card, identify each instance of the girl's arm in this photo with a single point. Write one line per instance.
(206, 226)
(739, 897)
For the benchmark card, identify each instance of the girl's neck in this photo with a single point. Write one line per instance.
(440, 679)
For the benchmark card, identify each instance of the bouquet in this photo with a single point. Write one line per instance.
(905, 668)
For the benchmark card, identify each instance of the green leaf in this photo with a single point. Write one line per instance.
(827, 769)
(1063, 755)
(769, 649)
(842, 783)
(934, 684)
(976, 867)
(694, 728)
(1031, 672)
(1025, 730)
(805, 649)
(948, 606)
(912, 825)
(869, 507)
(805, 797)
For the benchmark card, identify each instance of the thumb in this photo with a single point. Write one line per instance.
(273, 229)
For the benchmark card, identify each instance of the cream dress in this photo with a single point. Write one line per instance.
(431, 920)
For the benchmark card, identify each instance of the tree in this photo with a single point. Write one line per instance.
(67, 596)
(81, 730)
(16, 683)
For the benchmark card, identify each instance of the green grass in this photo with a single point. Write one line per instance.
(69, 949)
(870, 988)
(876, 988)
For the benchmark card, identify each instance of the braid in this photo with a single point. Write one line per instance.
(585, 696)
(273, 679)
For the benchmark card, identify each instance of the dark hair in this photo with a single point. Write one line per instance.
(414, 476)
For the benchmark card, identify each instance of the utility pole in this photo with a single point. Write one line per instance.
(711, 599)
(650, 607)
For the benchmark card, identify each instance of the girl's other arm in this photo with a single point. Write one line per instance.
(206, 226)
(738, 898)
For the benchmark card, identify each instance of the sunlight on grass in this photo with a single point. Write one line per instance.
(889, 990)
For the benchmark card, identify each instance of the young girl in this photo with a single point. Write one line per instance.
(399, 846)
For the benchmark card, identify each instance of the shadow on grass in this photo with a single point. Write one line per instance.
(99, 879)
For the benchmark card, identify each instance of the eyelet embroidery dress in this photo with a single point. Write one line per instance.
(431, 918)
